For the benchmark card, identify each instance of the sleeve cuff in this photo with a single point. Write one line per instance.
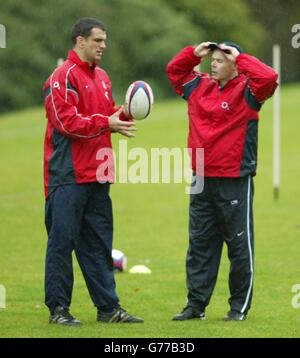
(124, 118)
(104, 122)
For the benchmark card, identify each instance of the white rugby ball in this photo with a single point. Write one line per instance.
(139, 100)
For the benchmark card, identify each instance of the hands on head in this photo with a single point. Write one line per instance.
(230, 52)
(203, 50)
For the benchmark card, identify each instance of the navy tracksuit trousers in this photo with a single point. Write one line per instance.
(79, 217)
(221, 213)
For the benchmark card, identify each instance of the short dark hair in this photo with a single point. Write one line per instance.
(84, 26)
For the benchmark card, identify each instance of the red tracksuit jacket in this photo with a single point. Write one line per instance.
(223, 121)
(78, 102)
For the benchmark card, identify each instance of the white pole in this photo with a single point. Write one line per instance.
(2, 296)
(60, 61)
(2, 36)
(276, 124)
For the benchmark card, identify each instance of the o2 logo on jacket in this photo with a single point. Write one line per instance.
(56, 85)
(225, 106)
(296, 38)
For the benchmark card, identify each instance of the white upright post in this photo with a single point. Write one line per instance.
(2, 36)
(60, 61)
(2, 296)
(276, 124)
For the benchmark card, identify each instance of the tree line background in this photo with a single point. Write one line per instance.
(143, 35)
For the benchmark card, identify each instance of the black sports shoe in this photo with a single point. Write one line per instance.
(235, 316)
(63, 316)
(118, 315)
(189, 312)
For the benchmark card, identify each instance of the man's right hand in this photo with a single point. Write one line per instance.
(127, 129)
(202, 50)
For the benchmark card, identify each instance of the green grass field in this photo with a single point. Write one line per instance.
(151, 228)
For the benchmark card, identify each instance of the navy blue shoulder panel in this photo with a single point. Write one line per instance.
(70, 87)
(190, 86)
(61, 166)
(249, 160)
(47, 91)
(251, 100)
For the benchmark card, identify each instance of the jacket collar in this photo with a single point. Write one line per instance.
(73, 56)
(231, 82)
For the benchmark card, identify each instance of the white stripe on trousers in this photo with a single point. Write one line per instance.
(249, 246)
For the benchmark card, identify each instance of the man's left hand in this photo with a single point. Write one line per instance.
(230, 52)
